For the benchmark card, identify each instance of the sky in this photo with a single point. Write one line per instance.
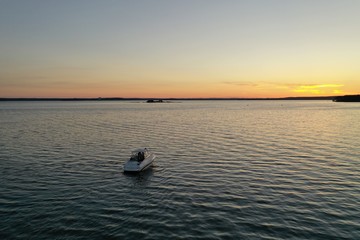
(184, 48)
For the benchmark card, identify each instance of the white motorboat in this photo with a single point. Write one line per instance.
(140, 159)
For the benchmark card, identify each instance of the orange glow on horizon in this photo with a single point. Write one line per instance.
(194, 90)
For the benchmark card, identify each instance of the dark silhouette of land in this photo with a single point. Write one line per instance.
(164, 99)
(347, 98)
(154, 101)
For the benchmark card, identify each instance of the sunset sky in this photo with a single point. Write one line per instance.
(185, 48)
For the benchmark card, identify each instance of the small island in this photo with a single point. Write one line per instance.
(347, 98)
(155, 101)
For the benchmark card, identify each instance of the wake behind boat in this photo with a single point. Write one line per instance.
(140, 159)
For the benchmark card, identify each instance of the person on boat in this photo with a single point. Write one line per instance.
(140, 156)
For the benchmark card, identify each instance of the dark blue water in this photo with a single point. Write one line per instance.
(224, 170)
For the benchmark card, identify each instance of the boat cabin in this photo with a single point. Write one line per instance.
(139, 154)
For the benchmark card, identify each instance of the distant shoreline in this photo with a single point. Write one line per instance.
(166, 99)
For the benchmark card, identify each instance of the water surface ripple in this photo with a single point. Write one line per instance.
(224, 170)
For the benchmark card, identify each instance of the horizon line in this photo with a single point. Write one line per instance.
(157, 98)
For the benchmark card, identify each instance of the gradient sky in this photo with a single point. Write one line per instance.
(255, 48)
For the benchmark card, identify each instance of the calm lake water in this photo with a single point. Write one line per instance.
(224, 170)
